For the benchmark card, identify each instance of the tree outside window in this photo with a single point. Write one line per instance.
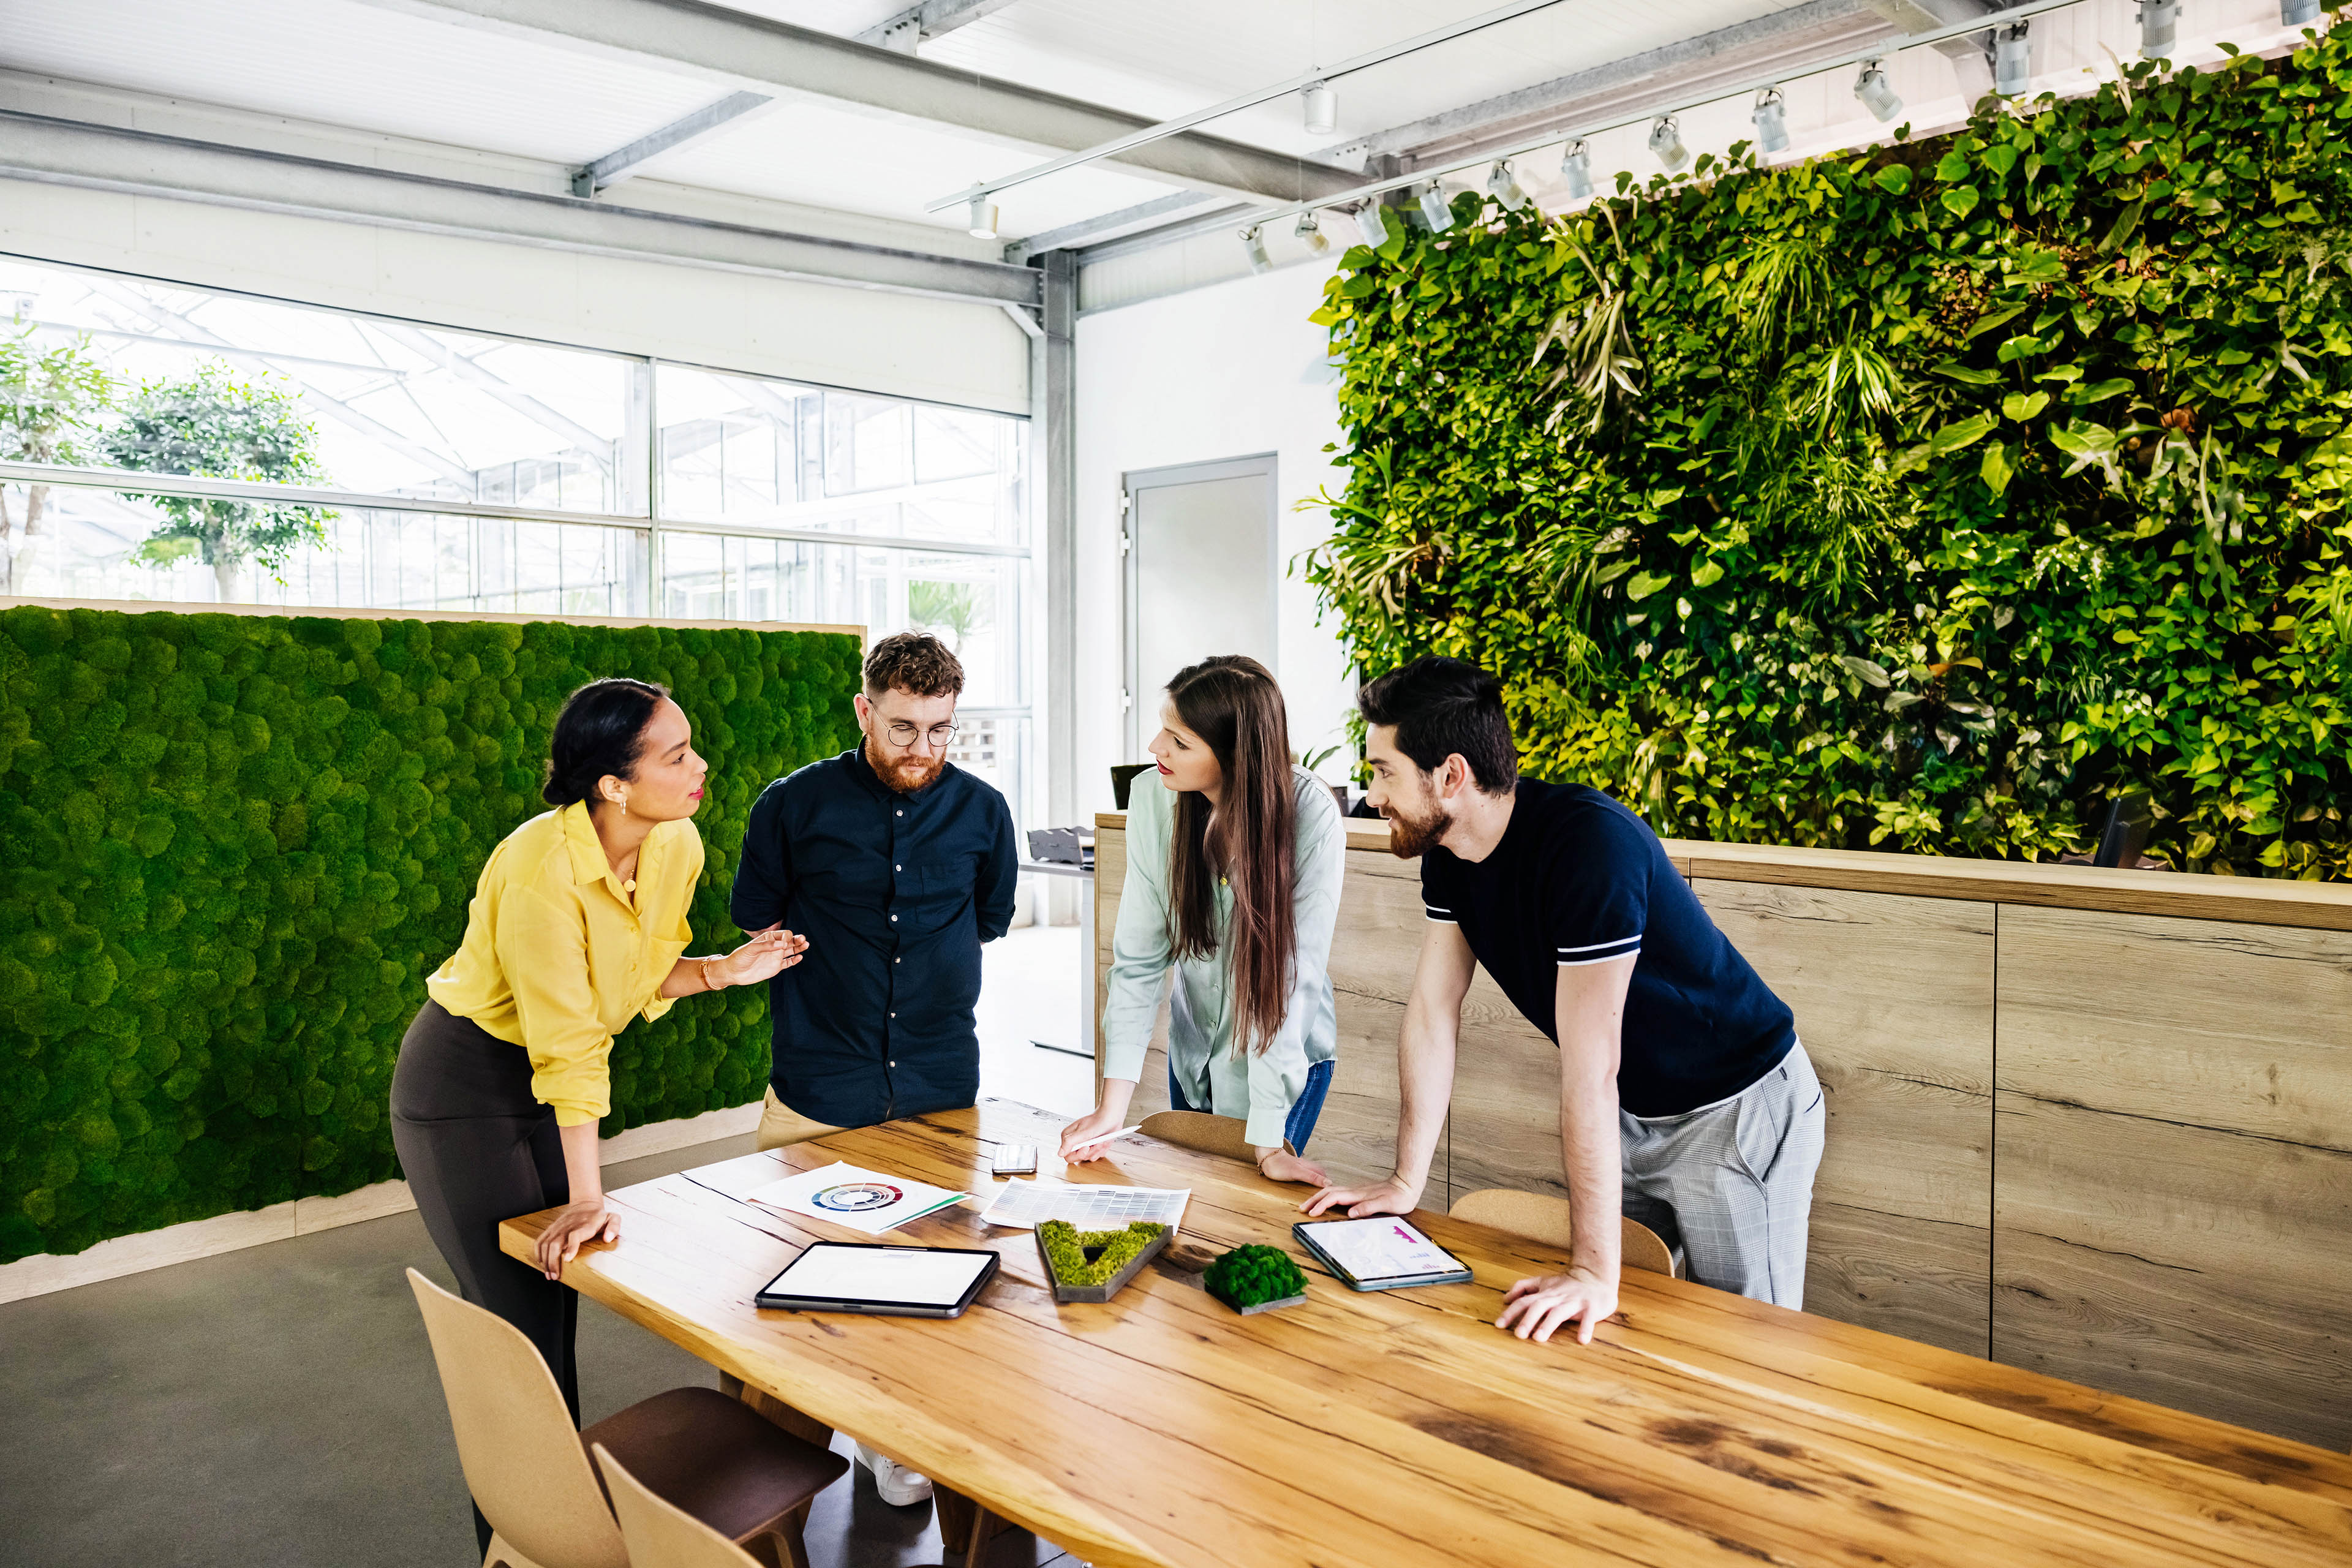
(212, 425)
(50, 399)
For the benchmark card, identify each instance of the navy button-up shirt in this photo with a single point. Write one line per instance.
(895, 893)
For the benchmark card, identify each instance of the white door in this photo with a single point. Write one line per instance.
(1200, 572)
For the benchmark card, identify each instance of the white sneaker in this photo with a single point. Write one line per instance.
(895, 1484)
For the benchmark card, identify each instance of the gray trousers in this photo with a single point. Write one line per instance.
(1730, 1186)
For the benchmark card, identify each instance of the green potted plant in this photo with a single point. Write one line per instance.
(1092, 1265)
(1253, 1277)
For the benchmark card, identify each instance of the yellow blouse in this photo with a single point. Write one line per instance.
(558, 958)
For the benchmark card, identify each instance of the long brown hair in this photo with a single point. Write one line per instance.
(1231, 702)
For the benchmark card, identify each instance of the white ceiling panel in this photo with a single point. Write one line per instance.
(353, 65)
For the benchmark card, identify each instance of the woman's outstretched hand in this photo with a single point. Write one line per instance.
(769, 953)
(1083, 1140)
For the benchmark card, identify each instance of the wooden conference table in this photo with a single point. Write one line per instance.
(1383, 1430)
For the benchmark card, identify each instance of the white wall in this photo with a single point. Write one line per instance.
(1222, 372)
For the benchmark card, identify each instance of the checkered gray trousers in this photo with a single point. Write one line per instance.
(1730, 1186)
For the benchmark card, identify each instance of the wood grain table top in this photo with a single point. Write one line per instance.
(1388, 1429)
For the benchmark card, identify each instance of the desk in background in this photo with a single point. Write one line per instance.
(1402, 1429)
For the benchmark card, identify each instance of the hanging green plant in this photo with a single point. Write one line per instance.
(1928, 498)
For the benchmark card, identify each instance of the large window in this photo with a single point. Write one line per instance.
(176, 445)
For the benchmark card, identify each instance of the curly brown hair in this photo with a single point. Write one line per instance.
(914, 662)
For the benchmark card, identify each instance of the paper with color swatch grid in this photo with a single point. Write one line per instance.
(1023, 1205)
(861, 1199)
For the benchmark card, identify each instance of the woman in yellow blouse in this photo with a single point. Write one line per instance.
(577, 926)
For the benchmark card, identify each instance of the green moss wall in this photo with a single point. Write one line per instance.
(235, 846)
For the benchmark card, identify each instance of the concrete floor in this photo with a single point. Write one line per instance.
(279, 1405)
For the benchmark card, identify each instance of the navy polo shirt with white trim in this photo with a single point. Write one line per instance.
(1578, 880)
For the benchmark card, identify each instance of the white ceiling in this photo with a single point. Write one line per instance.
(357, 65)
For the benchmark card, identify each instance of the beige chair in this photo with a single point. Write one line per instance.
(711, 1456)
(659, 1533)
(1545, 1219)
(1203, 1133)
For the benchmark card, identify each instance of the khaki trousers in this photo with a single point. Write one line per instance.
(780, 1126)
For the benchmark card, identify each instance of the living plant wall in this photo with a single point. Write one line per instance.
(1927, 498)
(237, 844)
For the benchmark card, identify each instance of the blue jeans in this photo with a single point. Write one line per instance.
(1304, 1111)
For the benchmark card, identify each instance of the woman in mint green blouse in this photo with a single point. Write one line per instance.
(1233, 877)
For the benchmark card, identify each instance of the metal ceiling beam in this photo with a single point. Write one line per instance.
(1741, 49)
(1134, 141)
(613, 168)
(111, 158)
(1113, 225)
(918, 24)
(764, 56)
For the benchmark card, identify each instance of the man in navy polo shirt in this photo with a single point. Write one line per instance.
(1685, 1101)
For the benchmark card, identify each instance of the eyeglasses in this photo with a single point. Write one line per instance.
(902, 734)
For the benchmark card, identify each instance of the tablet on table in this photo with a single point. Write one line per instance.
(875, 1277)
(1385, 1253)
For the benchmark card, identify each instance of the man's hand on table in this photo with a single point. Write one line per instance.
(1534, 1308)
(1391, 1196)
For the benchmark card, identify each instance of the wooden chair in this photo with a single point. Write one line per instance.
(658, 1533)
(713, 1457)
(1203, 1133)
(1545, 1219)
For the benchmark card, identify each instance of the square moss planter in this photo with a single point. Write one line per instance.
(1274, 1306)
(1244, 1279)
(1093, 1242)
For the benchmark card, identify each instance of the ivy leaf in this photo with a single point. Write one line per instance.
(2098, 391)
(2036, 266)
(1969, 374)
(1965, 433)
(1898, 701)
(1992, 319)
(1960, 200)
(1895, 179)
(2126, 223)
(1952, 166)
(2023, 405)
(1644, 585)
(1995, 470)
(1706, 573)
(2001, 158)
(1872, 673)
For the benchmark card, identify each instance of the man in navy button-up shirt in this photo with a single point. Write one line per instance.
(895, 866)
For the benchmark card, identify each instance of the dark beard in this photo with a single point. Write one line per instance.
(1410, 836)
(907, 774)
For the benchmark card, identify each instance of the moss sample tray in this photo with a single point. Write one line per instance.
(1253, 1277)
(1094, 1265)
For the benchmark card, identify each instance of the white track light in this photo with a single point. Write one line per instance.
(1372, 224)
(1436, 209)
(1322, 107)
(1310, 233)
(983, 219)
(1576, 168)
(1666, 142)
(1877, 94)
(1254, 243)
(1772, 120)
(2298, 13)
(1504, 186)
(2159, 23)
(2012, 60)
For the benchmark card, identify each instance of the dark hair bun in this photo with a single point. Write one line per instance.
(600, 731)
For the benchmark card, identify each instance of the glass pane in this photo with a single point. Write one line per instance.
(167, 380)
(96, 544)
(973, 602)
(747, 451)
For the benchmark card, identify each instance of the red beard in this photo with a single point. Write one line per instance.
(905, 774)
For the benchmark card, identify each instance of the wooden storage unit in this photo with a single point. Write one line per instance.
(2097, 1123)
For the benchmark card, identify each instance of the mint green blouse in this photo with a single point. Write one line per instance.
(1258, 1088)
